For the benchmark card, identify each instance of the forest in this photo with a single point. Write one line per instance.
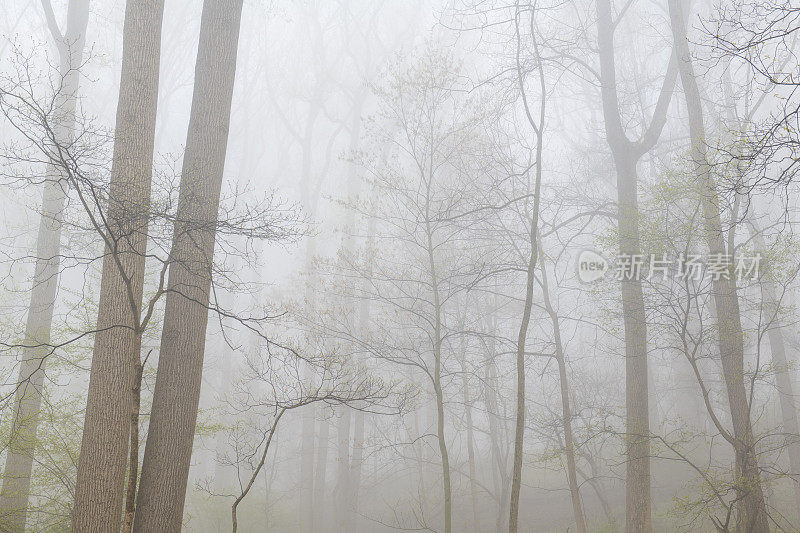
(322, 266)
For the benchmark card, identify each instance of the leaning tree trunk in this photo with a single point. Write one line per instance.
(103, 457)
(783, 367)
(28, 399)
(168, 449)
(566, 410)
(752, 515)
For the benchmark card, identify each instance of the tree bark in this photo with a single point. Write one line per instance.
(28, 399)
(752, 515)
(168, 450)
(103, 457)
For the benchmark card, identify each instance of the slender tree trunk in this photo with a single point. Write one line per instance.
(103, 458)
(499, 460)
(519, 430)
(473, 486)
(342, 488)
(168, 450)
(321, 475)
(566, 411)
(133, 462)
(437, 372)
(783, 368)
(28, 400)
(752, 515)
(356, 465)
(306, 484)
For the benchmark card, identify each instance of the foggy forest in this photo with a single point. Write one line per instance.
(322, 266)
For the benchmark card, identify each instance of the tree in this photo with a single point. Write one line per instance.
(537, 124)
(27, 404)
(626, 154)
(103, 458)
(752, 516)
(168, 449)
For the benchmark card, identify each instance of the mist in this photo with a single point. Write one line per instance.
(325, 266)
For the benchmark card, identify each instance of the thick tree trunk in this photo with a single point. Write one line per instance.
(168, 450)
(566, 411)
(637, 423)
(626, 154)
(103, 457)
(28, 400)
(752, 515)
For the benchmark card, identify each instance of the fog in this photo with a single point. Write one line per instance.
(399, 265)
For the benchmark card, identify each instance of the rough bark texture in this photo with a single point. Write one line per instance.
(751, 515)
(103, 458)
(28, 398)
(168, 450)
(626, 154)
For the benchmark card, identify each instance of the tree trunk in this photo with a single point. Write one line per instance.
(783, 368)
(168, 450)
(566, 411)
(626, 154)
(637, 423)
(752, 515)
(356, 465)
(133, 462)
(473, 486)
(28, 399)
(437, 374)
(103, 457)
(342, 488)
(519, 430)
(321, 475)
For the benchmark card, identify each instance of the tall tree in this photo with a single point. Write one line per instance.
(168, 449)
(626, 155)
(28, 401)
(752, 515)
(537, 124)
(103, 457)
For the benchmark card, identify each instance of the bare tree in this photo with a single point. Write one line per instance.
(753, 515)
